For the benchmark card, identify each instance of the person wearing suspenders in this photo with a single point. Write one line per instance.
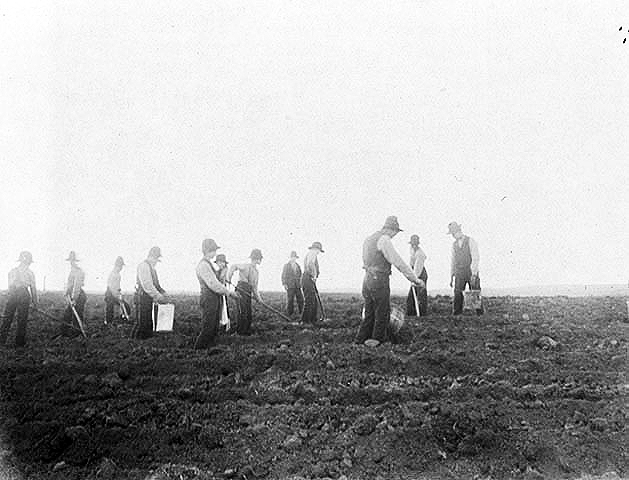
(212, 294)
(147, 292)
(464, 266)
(248, 288)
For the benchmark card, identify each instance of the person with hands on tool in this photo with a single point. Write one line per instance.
(309, 283)
(113, 294)
(75, 297)
(417, 296)
(213, 293)
(378, 256)
(148, 291)
(247, 286)
(22, 291)
(464, 266)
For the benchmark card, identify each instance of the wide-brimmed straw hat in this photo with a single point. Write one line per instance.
(317, 245)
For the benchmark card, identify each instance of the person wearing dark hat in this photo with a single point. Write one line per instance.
(75, 296)
(418, 258)
(148, 291)
(378, 256)
(309, 283)
(291, 279)
(113, 294)
(213, 293)
(22, 291)
(247, 287)
(464, 266)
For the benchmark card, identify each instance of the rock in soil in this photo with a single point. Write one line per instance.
(365, 424)
(547, 343)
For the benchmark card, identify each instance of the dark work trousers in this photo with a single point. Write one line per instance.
(211, 304)
(71, 328)
(244, 309)
(309, 313)
(422, 297)
(461, 280)
(144, 310)
(110, 302)
(376, 292)
(17, 305)
(293, 293)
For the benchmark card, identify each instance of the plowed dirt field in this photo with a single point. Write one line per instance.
(461, 397)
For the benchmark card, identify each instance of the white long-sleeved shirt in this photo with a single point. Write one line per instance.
(76, 280)
(113, 282)
(205, 273)
(418, 258)
(311, 264)
(22, 276)
(385, 245)
(473, 252)
(146, 281)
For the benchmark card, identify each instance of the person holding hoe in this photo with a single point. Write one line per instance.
(76, 298)
(417, 296)
(22, 291)
(213, 293)
(247, 287)
(113, 294)
(309, 283)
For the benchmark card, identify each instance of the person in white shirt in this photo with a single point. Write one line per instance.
(309, 283)
(418, 259)
(113, 294)
(378, 256)
(464, 266)
(75, 296)
(148, 291)
(213, 293)
(22, 291)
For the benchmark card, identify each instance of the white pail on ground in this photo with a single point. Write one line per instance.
(165, 317)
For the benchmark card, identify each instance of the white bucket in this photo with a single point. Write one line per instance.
(165, 317)
(473, 300)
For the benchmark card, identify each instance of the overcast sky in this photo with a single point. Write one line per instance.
(273, 124)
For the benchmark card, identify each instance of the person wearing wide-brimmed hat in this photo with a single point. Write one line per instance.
(464, 266)
(113, 293)
(378, 256)
(213, 293)
(22, 291)
(309, 283)
(75, 296)
(291, 280)
(417, 263)
(148, 292)
(247, 287)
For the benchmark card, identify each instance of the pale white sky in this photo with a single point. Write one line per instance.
(272, 124)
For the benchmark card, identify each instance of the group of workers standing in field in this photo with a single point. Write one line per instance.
(214, 275)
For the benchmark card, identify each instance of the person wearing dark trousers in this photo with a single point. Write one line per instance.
(378, 256)
(75, 297)
(213, 293)
(148, 292)
(113, 294)
(309, 283)
(22, 291)
(418, 259)
(291, 279)
(464, 266)
(247, 287)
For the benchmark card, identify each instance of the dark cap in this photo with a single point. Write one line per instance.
(256, 254)
(155, 252)
(72, 257)
(391, 223)
(414, 240)
(221, 258)
(317, 245)
(209, 245)
(453, 227)
(25, 257)
(119, 261)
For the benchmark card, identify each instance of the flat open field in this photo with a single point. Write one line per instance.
(468, 397)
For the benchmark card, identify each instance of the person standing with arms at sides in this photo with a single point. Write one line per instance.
(309, 283)
(22, 291)
(113, 294)
(291, 279)
(212, 294)
(75, 296)
(378, 256)
(418, 258)
(464, 266)
(247, 287)
(147, 292)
